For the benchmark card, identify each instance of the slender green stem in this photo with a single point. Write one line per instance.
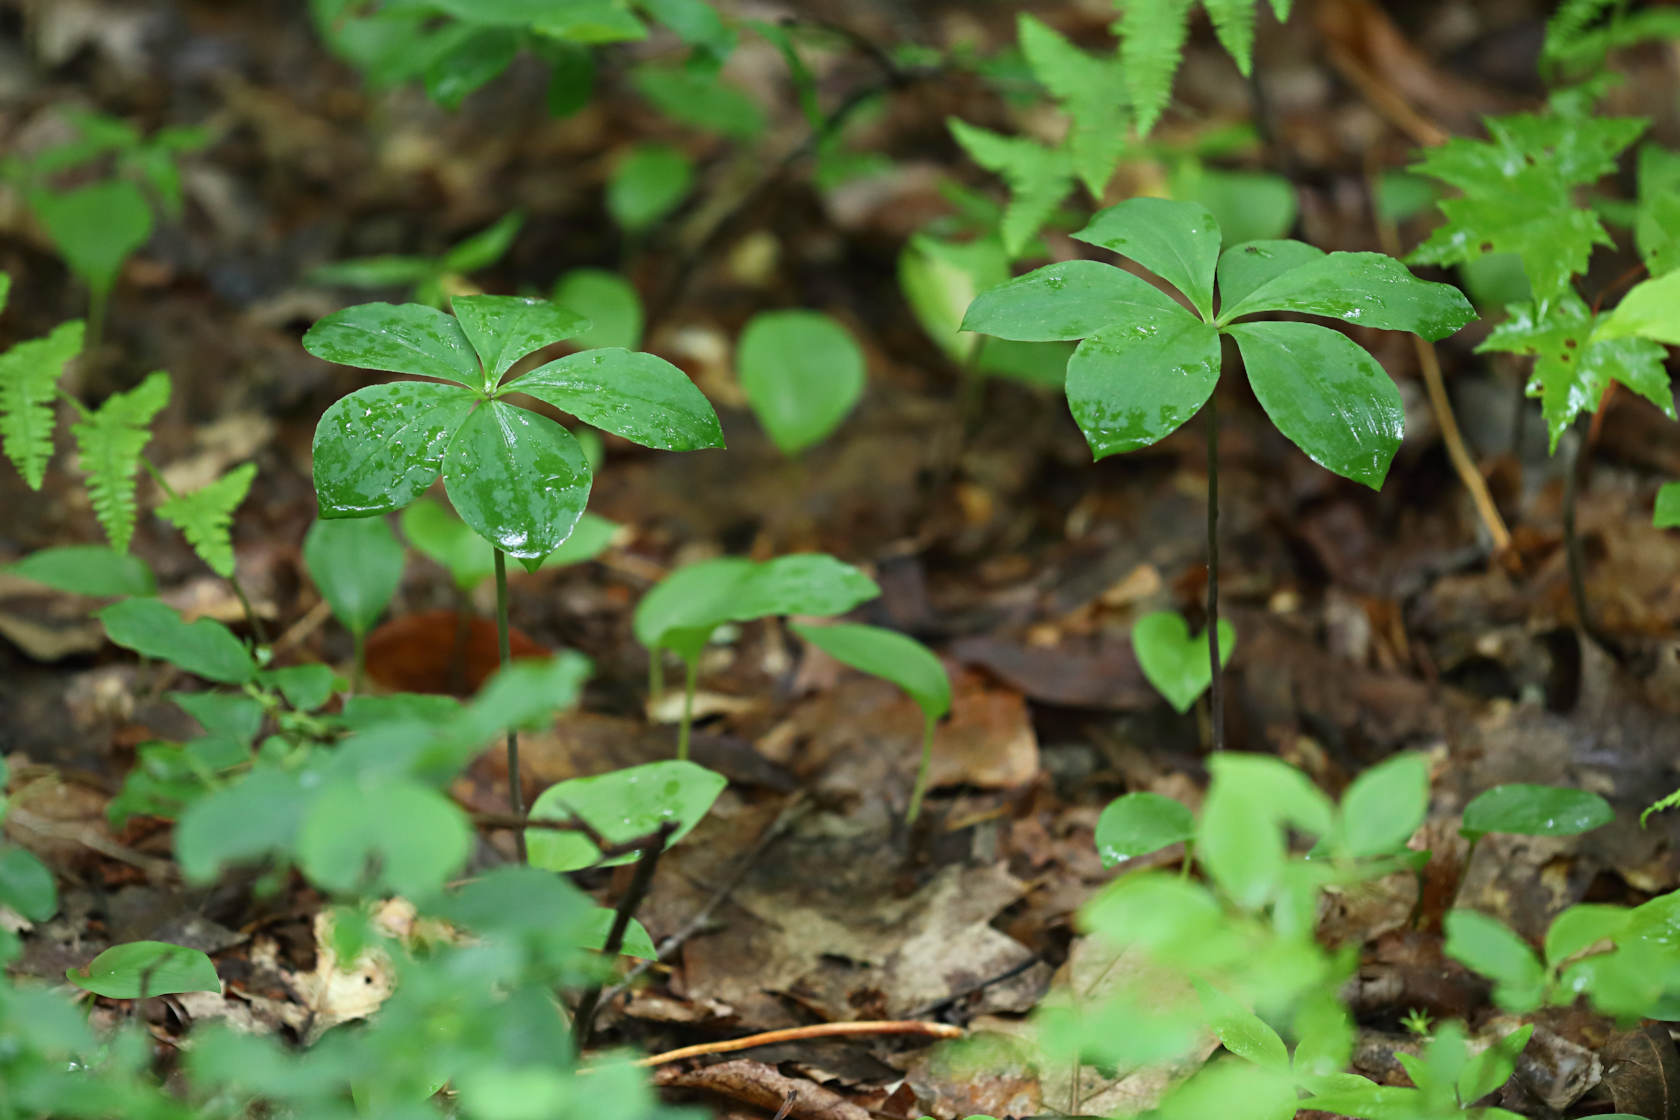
(691, 679)
(358, 667)
(257, 629)
(656, 672)
(516, 794)
(920, 789)
(1216, 690)
(98, 299)
(1189, 858)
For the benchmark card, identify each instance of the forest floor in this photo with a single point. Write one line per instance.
(1367, 623)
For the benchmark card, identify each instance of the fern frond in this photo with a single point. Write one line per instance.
(1152, 35)
(1233, 22)
(1091, 91)
(205, 516)
(29, 374)
(1567, 25)
(109, 443)
(1660, 805)
(1038, 177)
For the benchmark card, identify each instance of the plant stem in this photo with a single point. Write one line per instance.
(516, 795)
(98, 298)
(656, 672)
(1216, 689)
(640, 881)
(359, 667)
(691, 678)
(920, 789)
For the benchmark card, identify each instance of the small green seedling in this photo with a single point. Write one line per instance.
(430, 280)
(622, 805)
(687, 607)
(802, 374)
(357, 564)
(1174, 662)
(610, 303)
(902, 660)
(141, 969)
(1147, 364)
(1447, 1079)
(1139, 823)
(649, 182)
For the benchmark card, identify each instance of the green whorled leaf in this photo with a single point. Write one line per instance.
(1572, 367)
(503, 329)
(109, 443)
(141, 969)
(205, 516)
(1138, 381)
(649, 183)
(357, 563)
(1248, 205)
(1175, 663)
(86, 570)
(204, 648)
(700, 100)
(26, 885)
(940, 279)
(486, 247)
(393, 835)
(396, 338)
(1092, 91)
(1038, 178)
(704, 595)
(698, 596)
(802, 374)
(1253, 264)
(518, 479)
(1666, 515)
(379, 448)
(609, 301)
(1068, 300)
(598, 925)
(1535, 810)
(248, 819)
(1326, 394)
(1651, 309)
(442, 537)
(1139, 823)
(1489, 947)
(472, 58)
(621, 806)
(1365, 289)
(1178, 241)
(29, 374)
(1384, 806)
(631, 394)
(95, 227)
(884, 653)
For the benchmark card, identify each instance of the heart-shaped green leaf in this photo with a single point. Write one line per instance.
(519, 479)
(503, 329)
(1139, 823)
(1365, 289)
(802, 374)
(95, 227)
(397, 338)
(204, 648)
(1133, 383)
(638, 396)
(621, 806)
(896, 657)
(1176, 664)
(1326, 394)
(1072, 299)
(1177, 241)
(145, 969)
(379, 448)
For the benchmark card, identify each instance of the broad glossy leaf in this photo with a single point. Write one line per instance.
(357, 563)
(638, 396)
(26, 885)
(144, 969)
(95, 227)
(649, 183)
(1326, 394)
(1244, 268)
(1139, 823)
(1072, 299)
(1489, 947)
(1365, 289)
(379, 448)
(610, 303)
(621, 805)
(441, 536)
(503, 329)
(204, 648)
(1175, 663)
(1535, 810)
(519, 479)
(389, 835)
(1385, 805)
(802, 374)
(248, 819)
(1651, 309)
(397, 338)
(897, 657)
(1177, 241)
(86, 570)
(1137, 381)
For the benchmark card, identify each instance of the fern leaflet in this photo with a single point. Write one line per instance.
(1091, 91)
(109, 443)
(1038, 177)
(1152, 36)
(1576, 38)
(205, 516)
(29, 374)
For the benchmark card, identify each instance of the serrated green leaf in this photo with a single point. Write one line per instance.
(802, 374)
(204, 648)
(649, 182)
(888, 654)
(1093, 93)
(1177, 241)
(517, 478)
(1249, 266)
(621, 805)
(86, 570)
(1138, 381)
(1651, 309)
(1486, 945)
(396, 338)
(109, 443)
(1233, 23)
(610, 303)
(1177, 664)
(1038, 178)
(379, 448)
(205, 516)
(1364, 289)
(96, 227)
(1152, 36)
(503, 329)
(1326, 394)
(141, 969)
(357, 564)
(1139, 823)
(1067, 300)
(631, 394)
(29, 374)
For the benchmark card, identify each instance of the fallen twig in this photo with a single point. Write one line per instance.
(918, 1027)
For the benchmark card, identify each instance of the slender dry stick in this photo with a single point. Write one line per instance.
(633, 896)
(516, 795)
(1216, 689)
(920, 790)
(800, 1034)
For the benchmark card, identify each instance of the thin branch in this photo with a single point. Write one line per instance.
(633, 896)
(918, 1028)
(1216, 687)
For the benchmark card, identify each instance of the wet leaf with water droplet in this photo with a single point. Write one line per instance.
(1072, 299)
(638, 396)
(396, 338)
(378, 449)
(1178, 241)
(519, 479)
(1136, 382)
(1244, 268)
(1370, 289)
(621, 805)
(503, 329)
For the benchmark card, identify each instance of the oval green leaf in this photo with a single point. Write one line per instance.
(1072, 299)
(26, 885)
(700, 597)
(597, 925)
(95, 227)
(1326, 394)
(357, 563)
(1364, 289)
(243, 821)
(393, 835)
(609, 301)
(141, 969)
(518, 479)
(503, 329)
(1535, 810)
(396, 338)
(638, 396)
(884, 653)
(621, 806)
(436, 533)
(648, 184)
(1139, 823)
(1489, 947)
(204, 648)
(1385, 805)
(86, 570)
(1175, 663)
(379, 448)
(802, 374)
(1134, 383)
(1177, 241)
(1245, 267)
